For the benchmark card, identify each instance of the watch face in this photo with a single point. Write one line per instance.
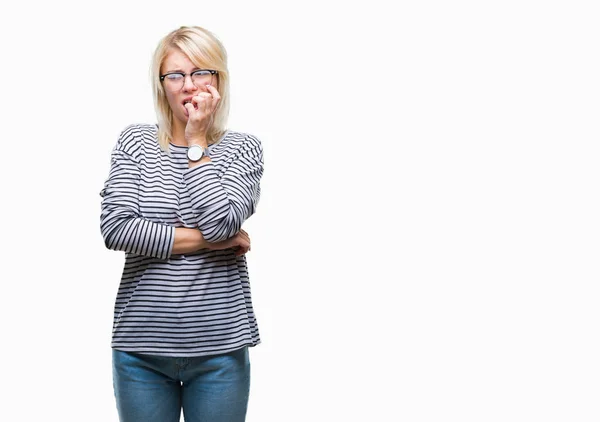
(194, 153)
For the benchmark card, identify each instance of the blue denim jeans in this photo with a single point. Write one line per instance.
(156, 388)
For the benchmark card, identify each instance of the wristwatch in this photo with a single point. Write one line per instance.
(196, 152)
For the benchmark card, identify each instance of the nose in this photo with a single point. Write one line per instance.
(188, 84)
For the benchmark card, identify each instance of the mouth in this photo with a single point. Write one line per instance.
(186, 101)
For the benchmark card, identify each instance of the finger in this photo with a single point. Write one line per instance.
(240, 240)
(216, 97)
(189, 107)
(241, 251)
(203, 99)
(204, 95)
(214, 92)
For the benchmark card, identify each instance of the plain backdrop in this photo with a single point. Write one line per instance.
(426, 244)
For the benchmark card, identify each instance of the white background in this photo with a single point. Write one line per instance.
(426, 244)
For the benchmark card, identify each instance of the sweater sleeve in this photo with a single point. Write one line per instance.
(121, 225)
(222, 205)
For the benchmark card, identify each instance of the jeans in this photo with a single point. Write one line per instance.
(156, 388)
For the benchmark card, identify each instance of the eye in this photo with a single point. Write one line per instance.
(174, 76)
(201, 73)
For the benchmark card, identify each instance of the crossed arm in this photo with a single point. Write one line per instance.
(221, 206)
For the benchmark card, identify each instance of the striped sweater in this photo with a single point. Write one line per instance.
(180, 305)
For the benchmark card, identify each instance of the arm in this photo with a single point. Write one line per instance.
(188, 241)
(120, 223)
(223, 205)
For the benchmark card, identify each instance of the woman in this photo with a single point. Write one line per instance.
(174, 201)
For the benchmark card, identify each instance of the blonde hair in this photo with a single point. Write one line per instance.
(205, 50)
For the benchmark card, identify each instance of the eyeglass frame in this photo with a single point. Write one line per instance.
(212, 72)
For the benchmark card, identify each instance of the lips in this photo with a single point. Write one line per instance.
(185, 101)
(188, 100)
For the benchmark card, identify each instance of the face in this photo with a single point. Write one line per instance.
(176, 94)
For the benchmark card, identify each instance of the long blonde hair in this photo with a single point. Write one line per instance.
(205, 50)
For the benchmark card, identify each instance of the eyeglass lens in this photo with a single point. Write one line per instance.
(175, 81)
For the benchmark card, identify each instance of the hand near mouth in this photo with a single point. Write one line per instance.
(200, 111)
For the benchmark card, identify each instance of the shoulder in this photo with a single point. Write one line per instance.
(243, 141)
(137, 139)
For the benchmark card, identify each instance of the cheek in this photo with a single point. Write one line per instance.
(172, 102)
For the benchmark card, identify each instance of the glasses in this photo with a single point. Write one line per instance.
(174, 80)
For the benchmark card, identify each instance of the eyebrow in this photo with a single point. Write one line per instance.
(181, 71)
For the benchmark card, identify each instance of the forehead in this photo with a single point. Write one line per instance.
(176, 60)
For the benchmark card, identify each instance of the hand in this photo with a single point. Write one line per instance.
(200, 115)
(240, 243)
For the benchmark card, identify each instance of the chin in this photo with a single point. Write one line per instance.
(181, 117)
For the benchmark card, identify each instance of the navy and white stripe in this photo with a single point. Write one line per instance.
(180, 305)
